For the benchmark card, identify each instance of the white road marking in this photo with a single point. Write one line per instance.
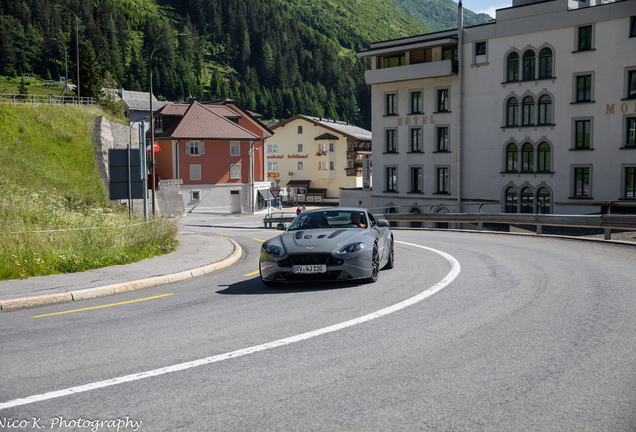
(452, 274)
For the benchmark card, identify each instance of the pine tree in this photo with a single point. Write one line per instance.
(90, 72)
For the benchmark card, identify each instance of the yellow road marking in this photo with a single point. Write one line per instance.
(103, 306)
(259, 240)
(251, 274)
(231, 235)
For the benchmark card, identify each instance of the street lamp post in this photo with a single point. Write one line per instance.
(76, 49)
(65, 60)
(152, 127)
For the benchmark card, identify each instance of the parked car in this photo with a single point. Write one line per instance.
(335, 244)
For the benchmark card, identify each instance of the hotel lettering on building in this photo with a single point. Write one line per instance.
(546, 113)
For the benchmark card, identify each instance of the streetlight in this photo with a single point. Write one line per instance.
(65, 60)
(142, 156)
(76, 48)
(152, 128)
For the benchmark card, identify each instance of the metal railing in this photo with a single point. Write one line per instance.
(33, 99)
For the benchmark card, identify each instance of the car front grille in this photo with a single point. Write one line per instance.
(310, 259)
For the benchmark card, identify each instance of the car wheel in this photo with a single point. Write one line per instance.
(375, 265)
(391, 262)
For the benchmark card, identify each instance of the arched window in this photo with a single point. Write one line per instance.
(511, 200)
(527, 153)
(545, 110)
(529, 63)
(513, 67)
(545, 63)
(526, 199)
(543, 197)
(415, 224)
(545, 159)
(512, 157)
(512, 116)
(528, 111)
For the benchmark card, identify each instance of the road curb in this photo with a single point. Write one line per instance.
(89, 293)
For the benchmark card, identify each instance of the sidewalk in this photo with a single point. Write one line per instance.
(197, 254)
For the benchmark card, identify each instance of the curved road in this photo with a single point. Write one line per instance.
(532, 334)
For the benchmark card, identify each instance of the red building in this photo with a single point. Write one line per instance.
(217, 150)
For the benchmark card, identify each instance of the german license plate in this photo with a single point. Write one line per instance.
(309, 269)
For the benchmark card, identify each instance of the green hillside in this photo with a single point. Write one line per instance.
(439, 14)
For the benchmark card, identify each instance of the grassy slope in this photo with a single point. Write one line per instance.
(51, 147)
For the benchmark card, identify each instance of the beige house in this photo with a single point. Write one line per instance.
(313, 157)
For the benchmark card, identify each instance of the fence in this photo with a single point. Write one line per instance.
(32, 99)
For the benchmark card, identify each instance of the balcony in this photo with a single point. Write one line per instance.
(356, 154)
(354, 172)
(409, 72)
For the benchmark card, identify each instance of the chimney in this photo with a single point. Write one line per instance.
(191, 99)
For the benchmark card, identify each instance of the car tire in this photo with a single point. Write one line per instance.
(375, 265)
(391, 262)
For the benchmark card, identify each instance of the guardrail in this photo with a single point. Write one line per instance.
(32, 99)
(605, 221)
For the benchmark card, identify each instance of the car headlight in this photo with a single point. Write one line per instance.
(353, 247)
(274, 251)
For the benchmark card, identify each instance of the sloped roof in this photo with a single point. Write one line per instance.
(326, 136)
(343, 128)
(199, 122)
(140, 100)
(175, 109)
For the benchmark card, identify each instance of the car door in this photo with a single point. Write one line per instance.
(377, 233)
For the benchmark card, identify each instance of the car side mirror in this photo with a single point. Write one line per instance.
(382, 223)
(280, 227)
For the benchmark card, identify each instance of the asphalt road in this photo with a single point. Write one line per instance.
(532, 334)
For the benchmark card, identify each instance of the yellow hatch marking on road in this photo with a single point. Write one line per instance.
(263, 241)
(103, 306)
(251, 274)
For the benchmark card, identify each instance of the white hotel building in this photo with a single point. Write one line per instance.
(536, 106)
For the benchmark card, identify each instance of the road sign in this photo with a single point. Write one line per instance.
(274, 192)
(275, 203)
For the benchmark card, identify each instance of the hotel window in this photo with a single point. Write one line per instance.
(416, 102)
(391, 141)
(416, 179)
(394, 60)
(545, 63)
(512, 157)
(195, 148)
(442, 139)
(513, 67)
(630, 132)
(391, 179)
(631, 84)
(272, 148)
(527, 105)
(545, 158)
(480, 48)
(332, 165)
(582, 134)
(512, 115)
(529, 62)
(527, 158)
(416, 140)
(585, 38)
(442, 100)
(443, 186)
(195, 172)
(584, 88)
(300, 166)
(581, 186)
(272, 166)
(632, 27)
(300, 148)
(300, 130)
(391, 104)
(235, 148)
(543, 197)
(526, 198)
(235, 171)
(511, 200)
(545, 110)
(322, 166)
(630, 182)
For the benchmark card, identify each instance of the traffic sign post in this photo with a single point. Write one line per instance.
(274, 192)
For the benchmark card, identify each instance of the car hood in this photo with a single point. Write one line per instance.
(320, 240)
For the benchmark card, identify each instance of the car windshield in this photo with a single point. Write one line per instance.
(329, 219)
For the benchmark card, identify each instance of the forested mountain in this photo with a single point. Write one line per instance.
(439, 14)
(275, 57)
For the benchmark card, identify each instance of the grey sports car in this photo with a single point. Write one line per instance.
(328, 245)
